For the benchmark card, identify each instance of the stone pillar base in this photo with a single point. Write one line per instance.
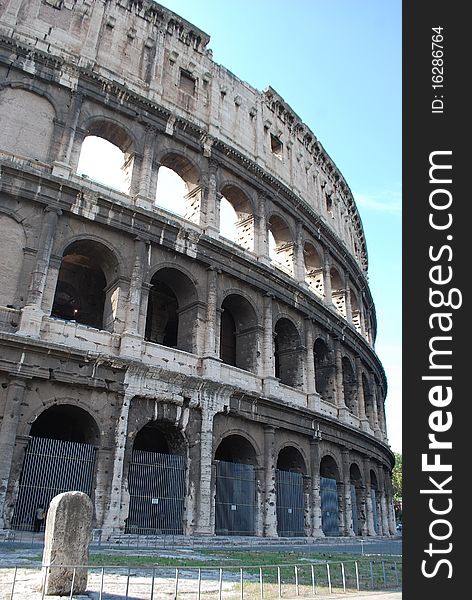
(270, 386)
(60, 169)
(212, 231)
(211, 367)
(143, 202)
(131, 345)
(343, 414)
(31, 321)
(314, 402)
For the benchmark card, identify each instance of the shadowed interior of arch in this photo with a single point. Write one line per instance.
(84, 293)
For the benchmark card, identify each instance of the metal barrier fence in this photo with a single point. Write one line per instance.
(212, 583)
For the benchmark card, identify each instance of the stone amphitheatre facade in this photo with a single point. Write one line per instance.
(191, 383)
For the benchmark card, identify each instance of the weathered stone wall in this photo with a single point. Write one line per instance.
(161, 99)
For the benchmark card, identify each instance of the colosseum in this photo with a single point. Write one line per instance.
(201, 364)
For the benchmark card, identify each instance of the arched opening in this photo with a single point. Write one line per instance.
(235, 504)
(60, 457)
(338, 293)
(281, 248)
(238, 334)
(356, 312)
(236, 218)
(172, 310)
(357, 500)
(324, 371)
(87, 285)
(329, 478)
(349, 386)
(178, 187)
(375, 497)
(290, 493)
(156, 480)
(288, 354)
(107, 156)
(313, 269)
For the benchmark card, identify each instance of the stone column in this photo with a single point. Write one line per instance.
(211, 202)
(348, 530)
(32, 314)
(131, 339)
(310, 357)
(62, 166)
(145, 179)
(343, 411)
(90, 45)
(117, 511)
(11, 416)
(381, 413)
(327, 278)
(383, 501)
(377, 431)
(212, 300)
(315, 498)
(313, 398)
(299, 257)
(205, 513)
(261, 242)
(360, 396)
(270, 495)
(348, 299)
(368, 499)
(268, 339)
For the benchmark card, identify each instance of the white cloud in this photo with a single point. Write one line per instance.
(387, 202)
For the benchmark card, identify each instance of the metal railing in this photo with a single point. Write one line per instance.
(306, 580)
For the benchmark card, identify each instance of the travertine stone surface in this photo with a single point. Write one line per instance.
(66, 542)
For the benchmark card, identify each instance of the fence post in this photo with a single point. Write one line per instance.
(344, 577)
(242, 583)
(176, 583)
(220, 585)
(328, 573)
(279, 581)
(261, 582)
(313, 580)
(13, 584)
(357, 576)
(297, 590)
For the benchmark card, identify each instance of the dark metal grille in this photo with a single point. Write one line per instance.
(156, 484)
(373, 495)
(235, 499)
(50, 468)
(355, 519)
(290, 505)
(329, 506)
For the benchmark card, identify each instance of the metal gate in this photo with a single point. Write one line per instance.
(355, 518)
(373, 495)
(156, 484)
(235, 499)
(290, 505)
(329, 506)
(51, 467)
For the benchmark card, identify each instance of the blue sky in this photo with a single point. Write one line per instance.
(338, 64)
